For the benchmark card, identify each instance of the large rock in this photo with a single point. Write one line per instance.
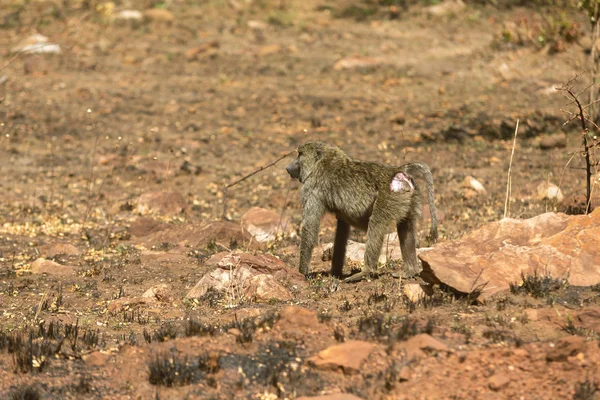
(162, 203)
(43, 266)
(348, 356)
(264, 225)
(144, 226)
(419, 345)
(235, 273)
(55, 249)
(297, 318)
(221, 233)
(488, 259)
(264, 287)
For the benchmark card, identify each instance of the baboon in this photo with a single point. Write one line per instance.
(367, 195)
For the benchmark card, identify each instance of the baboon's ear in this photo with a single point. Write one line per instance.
(319, 153)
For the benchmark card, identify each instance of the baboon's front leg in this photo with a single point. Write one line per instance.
(339, 247)
(312, 212)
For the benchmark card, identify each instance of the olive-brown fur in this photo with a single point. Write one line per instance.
(358, 193)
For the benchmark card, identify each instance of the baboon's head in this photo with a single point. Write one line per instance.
(309, 154)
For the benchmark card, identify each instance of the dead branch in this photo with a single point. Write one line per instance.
(248, 176)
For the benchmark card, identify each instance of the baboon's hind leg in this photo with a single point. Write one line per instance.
(408, 247)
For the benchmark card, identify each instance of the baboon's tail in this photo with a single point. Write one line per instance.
(421, 170)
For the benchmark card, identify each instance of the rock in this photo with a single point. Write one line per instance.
(55, 249)
(43, 266)
(145, 226)
(264, 225)
(556, 141)
(356, 62)
(532, 314)
(498, 381)
(259, 263)
(348, 356)
(335, 396)
(471, 183)
(446, 8)
(129, 15)
(160, 292)
(566, 347)
(221, 233)
(159, 15)
(588, 319)
(127, 303)
(488, 259)
(219, 280)
(206, 49)
(418, 345)
(162, 203)
(96, 359)
(235, 271)
(404, 375)
(292, 317)
(549, 191)
(413, 291)
(36, 44)
(264, 288)
(259, 25)
(269, 49)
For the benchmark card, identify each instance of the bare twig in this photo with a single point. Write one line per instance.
(509, 181)
(567, 90)
(248, 176)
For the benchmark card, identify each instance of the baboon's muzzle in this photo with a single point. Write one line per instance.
(293, 169)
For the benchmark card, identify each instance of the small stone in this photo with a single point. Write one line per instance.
(567, 347)
(96, 359)
(129, 15)
(498, 382)
(549, 191)
(472, 183)
(260, 25)
(159, 15)
(532, 314)
(521, 353)
(36, 44)
(556, 141)
(269, 49)
(413, 291)
(356, 62)
(446, 8)
(160, 292)
(347, 357)
(334, 396)
(43, 266)
(404, 374)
